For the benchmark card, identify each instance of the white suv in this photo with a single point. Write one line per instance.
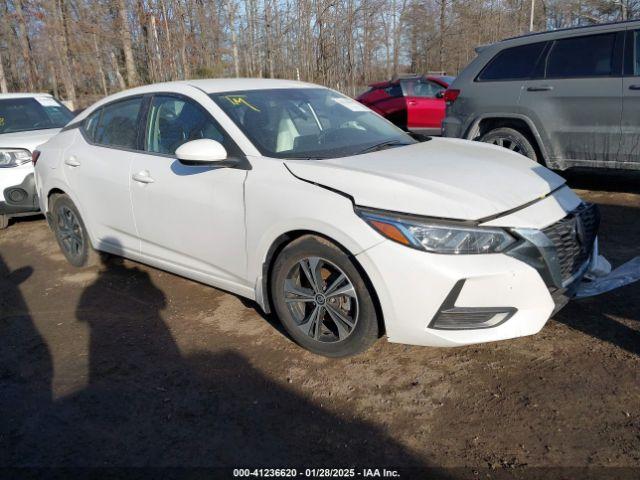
(26, 121)
(320, 210)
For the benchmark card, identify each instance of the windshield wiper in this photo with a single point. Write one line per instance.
(383, 145)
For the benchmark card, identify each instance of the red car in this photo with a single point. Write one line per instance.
(414, 103)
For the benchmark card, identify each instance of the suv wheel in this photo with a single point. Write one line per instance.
(71, 233)
(512, 140)
(322, 299)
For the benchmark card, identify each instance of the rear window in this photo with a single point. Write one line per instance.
(32, 113)
(590, 56)
(513, 63)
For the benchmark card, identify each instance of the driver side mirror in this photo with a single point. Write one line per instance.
(440, 94)
(202, 152)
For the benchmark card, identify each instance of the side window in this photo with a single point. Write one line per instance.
(394, 90)
(174, 121)
(636, 53)
(90, 124)
(427, 89)
(516, 63)
(589, 56)
(118, 124)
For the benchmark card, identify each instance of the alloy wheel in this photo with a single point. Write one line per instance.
(321, 299)
(70, 232)
(508, 144)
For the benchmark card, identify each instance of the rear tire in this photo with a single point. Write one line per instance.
(71, 233)
(322, 298)
(512, 140)
(4, 221)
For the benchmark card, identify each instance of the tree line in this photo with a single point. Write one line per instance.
(81, 50)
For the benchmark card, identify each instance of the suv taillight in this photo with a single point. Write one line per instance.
(34, 157)
(451, 95)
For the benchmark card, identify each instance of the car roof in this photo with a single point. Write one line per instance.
(208, 86)
(221, 85)
(218, 85)
(413, 76)
(579, 29)
(547, 35)
(4, 96)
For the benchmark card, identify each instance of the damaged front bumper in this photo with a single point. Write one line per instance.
(601, 279)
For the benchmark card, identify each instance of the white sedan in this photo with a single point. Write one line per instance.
(26, 121)
(321, 211)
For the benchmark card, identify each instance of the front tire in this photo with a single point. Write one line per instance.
(512, 140)
(71, 233)
(322, 298)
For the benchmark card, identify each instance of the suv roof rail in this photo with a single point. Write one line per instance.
(579, 27)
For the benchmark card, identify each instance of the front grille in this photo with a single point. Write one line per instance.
(573, 238)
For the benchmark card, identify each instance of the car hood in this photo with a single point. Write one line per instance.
(29, 140)
(445, 178)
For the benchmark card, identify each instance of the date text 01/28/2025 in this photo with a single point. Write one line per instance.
(316, 473)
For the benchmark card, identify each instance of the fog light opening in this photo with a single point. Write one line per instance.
(450, 317)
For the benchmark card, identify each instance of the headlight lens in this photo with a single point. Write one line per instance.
(12, 157)
(436, 236)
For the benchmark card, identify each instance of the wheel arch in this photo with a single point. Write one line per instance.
(519, 122)
(284, 239)
(52, 192)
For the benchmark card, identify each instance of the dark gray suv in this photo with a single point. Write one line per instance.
(565, 98)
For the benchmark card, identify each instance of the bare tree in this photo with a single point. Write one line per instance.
(127, 48)
(84, 49)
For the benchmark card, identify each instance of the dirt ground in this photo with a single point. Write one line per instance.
(125, 365)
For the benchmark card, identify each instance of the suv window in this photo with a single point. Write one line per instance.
(118, 124)
(636, 53)
(174, 121)
(514, 63)
(589, 56)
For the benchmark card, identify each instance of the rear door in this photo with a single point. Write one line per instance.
(425, 105)
(97, 168)
(630, 149)
(577, 104)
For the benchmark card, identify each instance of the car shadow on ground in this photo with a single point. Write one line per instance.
(146, 403)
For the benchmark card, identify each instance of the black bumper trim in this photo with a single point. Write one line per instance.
(27, 204)
(476, 317)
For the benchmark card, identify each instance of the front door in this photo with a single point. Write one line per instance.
(630, 149)
(190, 218)
(425, 106)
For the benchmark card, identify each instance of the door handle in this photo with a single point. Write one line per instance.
(412, 103)
(635, 86)
(541, 88)
(72, 161)
(142, 177)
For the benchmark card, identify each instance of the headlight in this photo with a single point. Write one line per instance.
(437, 236)
(12, 157)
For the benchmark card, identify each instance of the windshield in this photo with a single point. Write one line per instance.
(32, 113)
(308, 123)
